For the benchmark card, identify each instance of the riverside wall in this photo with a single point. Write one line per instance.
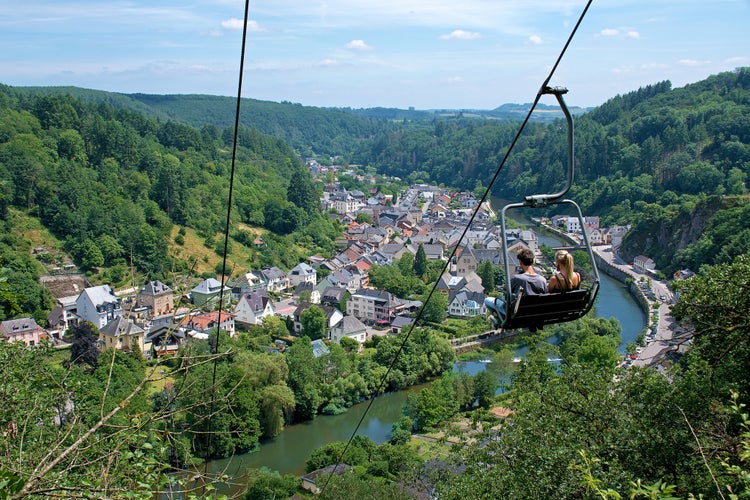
(615, 272)
(609, 269)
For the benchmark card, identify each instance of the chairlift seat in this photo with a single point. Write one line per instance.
(535, 311)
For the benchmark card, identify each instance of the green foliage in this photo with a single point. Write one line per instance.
(420, 262)
(433, 404)
(111, 182)
(716, 304)
(313, 321)
(422, 355)
(264, 483)
(435, 309)
(393, 279)
(66, 433)
(84, 348)
(486, 271)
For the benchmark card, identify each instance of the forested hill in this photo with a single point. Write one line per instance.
(110, 184)
(665, 160)
(650, 157)
(309, 130)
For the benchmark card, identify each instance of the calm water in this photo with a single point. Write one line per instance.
(288, 452)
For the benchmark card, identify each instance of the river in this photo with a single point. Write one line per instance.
(288, 452)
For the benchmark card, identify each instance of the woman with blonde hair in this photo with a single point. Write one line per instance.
(565, 278)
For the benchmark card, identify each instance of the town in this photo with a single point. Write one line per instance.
(380, 230)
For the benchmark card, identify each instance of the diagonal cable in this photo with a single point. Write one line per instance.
(215, 349)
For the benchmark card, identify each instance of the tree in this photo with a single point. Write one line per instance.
(715, 303)
(84, 348)
(90, 255)
(485, 385)
(433, 404)
(435, 309)
(486, 271)
(92, 434)
(264, 483)
(313, 321)
(303, 379)
(420, 262)
(301, 191)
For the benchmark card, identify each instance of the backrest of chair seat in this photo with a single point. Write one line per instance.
(535, 311)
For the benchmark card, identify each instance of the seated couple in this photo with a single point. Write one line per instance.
(532, 283)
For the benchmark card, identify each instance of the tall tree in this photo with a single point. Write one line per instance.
(303, 379)
(420, 261)
(313, 321)
(301, 191)
(84, 349)
(486, 271)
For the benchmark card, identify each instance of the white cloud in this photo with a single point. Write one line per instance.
(358, 45)
(692, 62)
(609, 32)
(535, 39)
(654, 66)
(633, 34)
(236, 24)
(328, 63)
(461, 35)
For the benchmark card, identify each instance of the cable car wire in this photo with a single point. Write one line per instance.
(215, 348)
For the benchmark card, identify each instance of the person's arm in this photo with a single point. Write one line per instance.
(552, 283)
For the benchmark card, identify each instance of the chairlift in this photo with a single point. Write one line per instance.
(535, 311)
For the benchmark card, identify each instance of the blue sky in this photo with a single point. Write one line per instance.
(393, 53)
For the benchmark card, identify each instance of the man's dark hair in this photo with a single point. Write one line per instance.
(526, 257)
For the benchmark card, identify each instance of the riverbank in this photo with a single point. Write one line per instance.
(662, 334)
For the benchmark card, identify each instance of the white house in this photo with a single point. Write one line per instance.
(253, 307)
(350, 327)
(302, 273)
(276, 279)
(98, 305)
(466, 304)
(572, 225)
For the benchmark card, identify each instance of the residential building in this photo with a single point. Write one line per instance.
(207, 292)
(277, 281)
(333, 316)
(98, 305)
(122, 334)
(350, 327)
(304, 288)
(164, 341)
(247, 282)
(373, 306)
(302, 273)
(466, 304)
(206, 322)
(643, 264)
(22, 330)
(400, 322)
(333, 295)
(158, 297)
(253, 307)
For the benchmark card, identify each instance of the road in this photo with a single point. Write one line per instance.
(667, 332)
